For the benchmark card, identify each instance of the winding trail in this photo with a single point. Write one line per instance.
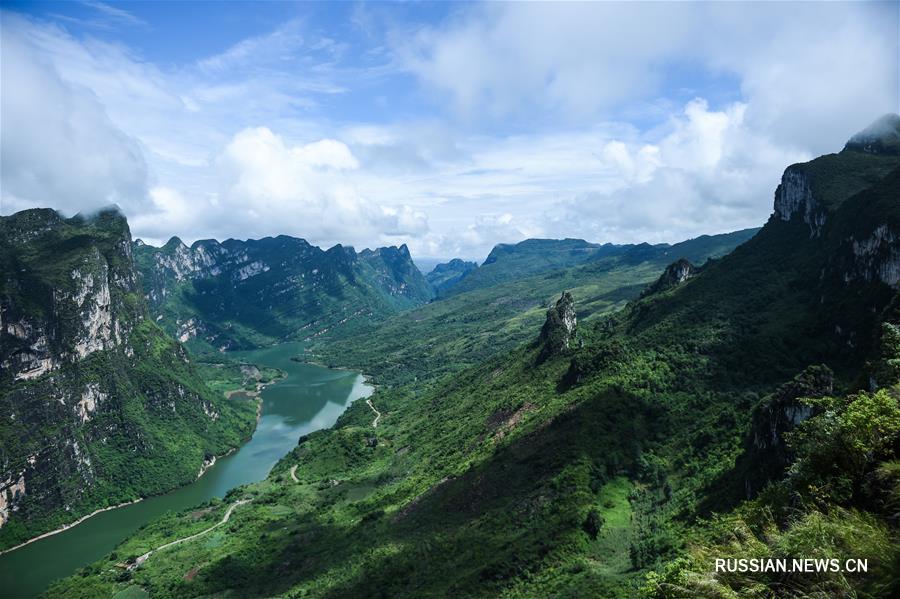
(224, 519)
(377, 413)
(294, 467)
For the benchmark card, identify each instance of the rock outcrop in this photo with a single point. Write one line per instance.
(675, 274)
(766, 455)
(558, 332)
(52, 316)
(794, 200)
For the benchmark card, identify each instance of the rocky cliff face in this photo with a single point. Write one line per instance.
(247, 293)
(876, 257)
(80, 308)
(92, 392)
(766, 453)
(794, 200)
(558, 332)
(850, 201)
(675, 274)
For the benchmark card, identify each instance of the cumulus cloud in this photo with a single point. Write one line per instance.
(576, 58)
(519, 119)
(268, 186)
(709, 173)
(809, 72)
(489, 230)
(59, 147)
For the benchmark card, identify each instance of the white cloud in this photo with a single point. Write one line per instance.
(267, 186)
(570, 58)
(59, 148)
(810, 73)
(578, 120)
(709, 173)
(489, 230)
(274, 46)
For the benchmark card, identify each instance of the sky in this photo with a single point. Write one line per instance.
(449, 127)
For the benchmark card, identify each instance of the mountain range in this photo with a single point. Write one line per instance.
(565, 419)
(240, 294)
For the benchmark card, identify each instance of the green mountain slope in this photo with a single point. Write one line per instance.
(100, 406)
(465, 328)
(512, 262)
(588, 467)
(239, 294)
(445, 275)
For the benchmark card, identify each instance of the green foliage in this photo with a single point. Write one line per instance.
(490, 467)
(128, 417)
(467, 328)
(245, 294)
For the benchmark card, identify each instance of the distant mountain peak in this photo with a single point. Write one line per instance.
(881, 137)
(173, 243)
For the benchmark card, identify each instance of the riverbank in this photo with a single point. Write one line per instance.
(307, 399)
(205, 466)
(66, 527)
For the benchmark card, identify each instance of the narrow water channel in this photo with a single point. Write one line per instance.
(308, 399)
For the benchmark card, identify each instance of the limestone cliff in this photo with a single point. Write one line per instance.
(99, 406)
(236, 294)
(558, 332)
(675, 274)
(766, 454)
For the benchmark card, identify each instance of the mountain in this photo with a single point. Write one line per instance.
(100, 406)
(509, 262)
(614, 464)
(239, 294)
(447, 274)
(463, 329)
(881, 137)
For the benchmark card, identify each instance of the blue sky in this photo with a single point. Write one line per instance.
(450, 127)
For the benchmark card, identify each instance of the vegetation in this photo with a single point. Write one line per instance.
(613, 467)
(122, 412)
(466, 328)
(245, 294)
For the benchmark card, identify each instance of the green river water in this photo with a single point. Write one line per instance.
(308, 399)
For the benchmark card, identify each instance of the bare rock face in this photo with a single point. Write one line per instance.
(675, 274)
(279, 286)
(794, 200)
(50, 316)
(86, 380)
(558, 331)
(766, 454)
(876, 257)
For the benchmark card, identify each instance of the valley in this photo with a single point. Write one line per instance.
(659, 411)
(307, 399)
(446, 299)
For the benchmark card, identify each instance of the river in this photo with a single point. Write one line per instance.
(308, 399)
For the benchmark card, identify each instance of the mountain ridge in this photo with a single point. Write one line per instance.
(238, 294)
(101, 406)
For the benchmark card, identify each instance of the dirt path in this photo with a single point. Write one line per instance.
(294, 473)
(377, 413)
(224, 519)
